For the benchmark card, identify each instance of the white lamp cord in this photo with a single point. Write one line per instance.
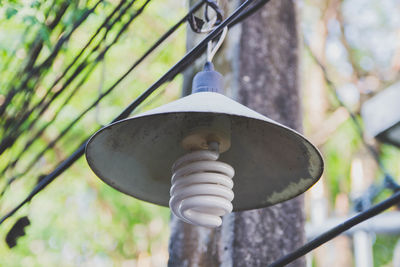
(211, 51)
(210, 26)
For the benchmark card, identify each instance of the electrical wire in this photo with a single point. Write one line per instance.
(335, 231)
(95, 102)
(24, 93)
(8, 141)
(80, 68)
(35, 70)
(211, 51)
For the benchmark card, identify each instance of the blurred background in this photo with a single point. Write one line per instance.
(58, 57)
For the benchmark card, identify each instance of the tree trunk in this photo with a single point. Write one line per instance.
(260, 62)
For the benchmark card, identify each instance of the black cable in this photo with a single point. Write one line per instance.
(80, 69)
(48, 179)
(335, 231)
(106, 25)
(35, 70)
(8, 141)
(100, 97)
(250, 10)
(25, 91)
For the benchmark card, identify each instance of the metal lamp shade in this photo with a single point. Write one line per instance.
(272, 162)
(381, 115)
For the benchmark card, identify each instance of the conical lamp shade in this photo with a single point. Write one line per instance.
(272, 162)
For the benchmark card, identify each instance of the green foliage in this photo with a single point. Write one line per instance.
(10, 12)
(340, 148)
(79, 220)
(383, 250)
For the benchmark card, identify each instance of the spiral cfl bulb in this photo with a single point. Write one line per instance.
(201, 188)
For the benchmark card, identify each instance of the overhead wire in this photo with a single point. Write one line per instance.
(16, 130)
(105, 24)
(337, 230)
(31, 70)
(99, 98)
(80, 69)
(25, 92)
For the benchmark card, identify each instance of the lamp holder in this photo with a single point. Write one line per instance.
(208, 80)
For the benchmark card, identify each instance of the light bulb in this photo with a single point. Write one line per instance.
(201, 188)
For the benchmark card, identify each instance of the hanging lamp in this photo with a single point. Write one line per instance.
(222, 155)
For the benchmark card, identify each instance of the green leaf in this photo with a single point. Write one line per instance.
(10, 12)
(29, 19)
(45, 34)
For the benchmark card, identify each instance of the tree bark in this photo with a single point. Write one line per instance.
(260, 63)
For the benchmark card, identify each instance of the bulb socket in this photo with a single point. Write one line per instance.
(208, 80)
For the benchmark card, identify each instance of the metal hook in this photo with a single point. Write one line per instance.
(197, 24)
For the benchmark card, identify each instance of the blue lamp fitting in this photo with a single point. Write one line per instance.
(208, 80)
